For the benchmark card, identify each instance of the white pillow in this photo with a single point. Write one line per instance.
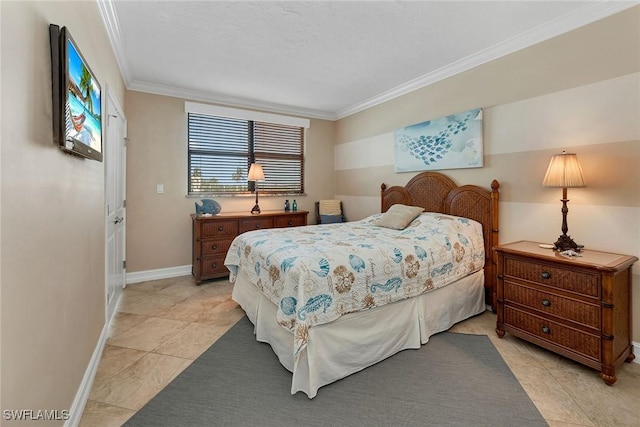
(399, 216)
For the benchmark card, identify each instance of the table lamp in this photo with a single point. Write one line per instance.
(256, 174)
(564, 171)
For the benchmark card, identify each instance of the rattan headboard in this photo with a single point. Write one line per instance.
(436, 192)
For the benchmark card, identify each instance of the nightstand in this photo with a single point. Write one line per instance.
(579, 307)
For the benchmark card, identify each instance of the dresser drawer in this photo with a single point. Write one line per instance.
(215, 247)
(291, 221)
(570, 280)
(219, 229)
(214, 265)
(549, 303)
(255, 224)
(580, 342)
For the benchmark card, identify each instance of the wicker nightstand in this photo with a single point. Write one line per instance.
(579, 307)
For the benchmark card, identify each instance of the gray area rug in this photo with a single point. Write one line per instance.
(453, 380)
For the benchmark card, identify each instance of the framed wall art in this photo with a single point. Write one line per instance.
(450, 142)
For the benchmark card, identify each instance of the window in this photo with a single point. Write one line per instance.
(222, 148)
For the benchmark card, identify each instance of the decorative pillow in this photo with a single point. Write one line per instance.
(399, 216)
(330, 219)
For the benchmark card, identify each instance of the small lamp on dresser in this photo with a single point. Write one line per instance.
(256, 174)
(564, 171)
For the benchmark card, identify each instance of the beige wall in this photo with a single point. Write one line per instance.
(579, 92)
(159, 225)
(53, 226)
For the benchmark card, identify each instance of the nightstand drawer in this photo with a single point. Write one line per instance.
(570, 280)
(215, 247)
(220, 229)
(572, 339)
(549, 303)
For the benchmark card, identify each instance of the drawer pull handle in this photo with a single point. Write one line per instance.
(290, 222)
(546, 302)
(546, 330)
(214, 247)
(214, 265)
(258, 225)
(546, 275)
(220, 228)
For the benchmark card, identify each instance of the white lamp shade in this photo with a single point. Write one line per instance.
(255, 173)
(564, 171)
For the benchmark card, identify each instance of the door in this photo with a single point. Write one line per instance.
(115, 204)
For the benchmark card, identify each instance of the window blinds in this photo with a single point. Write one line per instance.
(221, 150)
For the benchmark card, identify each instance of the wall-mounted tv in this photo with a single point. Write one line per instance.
(77, 98)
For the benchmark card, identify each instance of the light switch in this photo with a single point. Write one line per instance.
(159, 188)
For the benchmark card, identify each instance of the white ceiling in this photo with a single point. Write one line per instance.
(322, 59)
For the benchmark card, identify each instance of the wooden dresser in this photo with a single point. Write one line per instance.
(579, 307)
(212, 236)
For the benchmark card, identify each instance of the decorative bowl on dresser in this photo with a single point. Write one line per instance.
(579, 307)
(213, 234)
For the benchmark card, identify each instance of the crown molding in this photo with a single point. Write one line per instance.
(110, 20)
(231, 101)
(556, 27)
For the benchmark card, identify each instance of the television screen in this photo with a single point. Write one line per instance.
(77, 98)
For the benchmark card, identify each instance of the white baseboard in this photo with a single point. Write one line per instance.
(160, 273)
(80, 401)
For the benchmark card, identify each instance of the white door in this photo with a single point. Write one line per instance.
(115, 161)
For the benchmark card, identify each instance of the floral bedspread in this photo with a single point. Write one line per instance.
(315, 274)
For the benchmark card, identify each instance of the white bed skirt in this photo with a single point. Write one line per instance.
(358, 340)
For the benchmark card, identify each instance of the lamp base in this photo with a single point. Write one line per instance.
(565, 242)
(256, 209)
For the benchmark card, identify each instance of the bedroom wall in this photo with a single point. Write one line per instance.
(159, 225)
(578, 92)
(53, 226)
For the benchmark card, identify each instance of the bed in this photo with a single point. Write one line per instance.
(334, 299)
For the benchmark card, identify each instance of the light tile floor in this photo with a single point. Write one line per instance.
(163, 325)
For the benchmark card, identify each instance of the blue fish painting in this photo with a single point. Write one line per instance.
(450, 142)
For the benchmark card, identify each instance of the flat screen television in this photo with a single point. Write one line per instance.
(77, 98)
